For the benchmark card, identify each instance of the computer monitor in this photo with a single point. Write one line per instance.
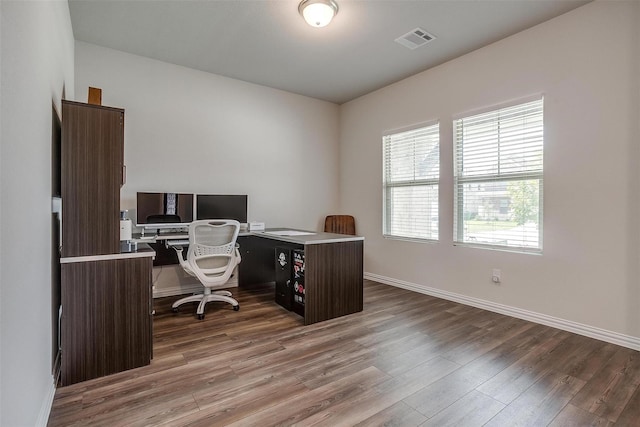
(222, 206)
(164, 210)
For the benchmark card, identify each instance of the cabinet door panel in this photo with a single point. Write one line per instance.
(333, 280)
(92, 158)
(106, 324)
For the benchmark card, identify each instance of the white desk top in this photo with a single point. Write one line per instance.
(290, 235)
(139, 250)
(308, 238)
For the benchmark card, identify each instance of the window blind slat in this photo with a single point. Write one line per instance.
(498, 177)
(411, 176)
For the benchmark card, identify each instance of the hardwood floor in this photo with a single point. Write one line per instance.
(406, 360)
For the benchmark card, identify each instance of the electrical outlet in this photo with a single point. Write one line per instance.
(495, 276)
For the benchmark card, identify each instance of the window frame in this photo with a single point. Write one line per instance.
(427, 182)
(458, 181)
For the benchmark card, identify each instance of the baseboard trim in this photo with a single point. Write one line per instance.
(544, 319)
(45, 409)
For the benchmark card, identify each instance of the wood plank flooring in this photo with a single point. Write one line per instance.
(406, 360)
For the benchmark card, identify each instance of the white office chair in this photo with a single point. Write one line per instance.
(211, 258)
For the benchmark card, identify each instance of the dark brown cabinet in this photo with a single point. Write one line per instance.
(92, 173)
(106, 317)
(106, 324)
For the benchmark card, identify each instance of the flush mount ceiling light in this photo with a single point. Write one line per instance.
(318, 13)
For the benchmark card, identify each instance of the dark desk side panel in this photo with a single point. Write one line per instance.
(258, 259)
(164, 255)
(334, 280)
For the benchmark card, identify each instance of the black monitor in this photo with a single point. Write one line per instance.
(222, 206)
(164, 210)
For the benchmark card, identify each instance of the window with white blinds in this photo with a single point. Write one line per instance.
(498, 168)
(410, 183)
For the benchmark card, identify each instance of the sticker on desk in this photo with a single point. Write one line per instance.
(298, 264)
(298, 291)
(282, 259)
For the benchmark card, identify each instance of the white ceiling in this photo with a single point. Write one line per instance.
(267, 42)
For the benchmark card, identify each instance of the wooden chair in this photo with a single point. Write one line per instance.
(342, 224)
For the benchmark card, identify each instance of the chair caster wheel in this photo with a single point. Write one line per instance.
(200, 316)
(174, 309)
(236, 307)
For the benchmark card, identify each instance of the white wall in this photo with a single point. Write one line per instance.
(186, 130)
(195, 132)
(587, 65)
(36, 69)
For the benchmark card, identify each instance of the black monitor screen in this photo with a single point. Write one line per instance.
(164, 209)
(221, 206)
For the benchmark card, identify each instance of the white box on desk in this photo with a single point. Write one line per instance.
(256, 226)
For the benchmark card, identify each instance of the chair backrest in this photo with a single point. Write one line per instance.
(212, 254)
(342, 224)
(212, 236)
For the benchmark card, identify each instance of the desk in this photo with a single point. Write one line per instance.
(333, 264)
(106, 324)
(333, 269)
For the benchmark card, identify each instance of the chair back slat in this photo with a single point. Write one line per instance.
(213, 237)
(342, 224)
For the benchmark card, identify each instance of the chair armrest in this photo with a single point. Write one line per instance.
(181, 259)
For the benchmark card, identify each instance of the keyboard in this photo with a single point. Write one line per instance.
(176, 242)
(170, 236)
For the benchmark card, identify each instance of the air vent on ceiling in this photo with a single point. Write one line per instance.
(415, 38)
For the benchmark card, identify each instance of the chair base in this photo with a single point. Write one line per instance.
(207, 296)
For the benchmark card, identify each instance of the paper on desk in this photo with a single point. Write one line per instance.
(289, 233)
